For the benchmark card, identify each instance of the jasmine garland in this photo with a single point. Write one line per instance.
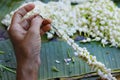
(85, 55)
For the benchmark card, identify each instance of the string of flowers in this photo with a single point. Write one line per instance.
(83, 54)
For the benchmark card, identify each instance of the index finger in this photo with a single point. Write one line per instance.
(18, 15)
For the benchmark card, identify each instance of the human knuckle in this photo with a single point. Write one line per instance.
(15, 13)
(35, 21)
(33, 32)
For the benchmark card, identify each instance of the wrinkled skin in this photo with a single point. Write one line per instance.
(25, 35)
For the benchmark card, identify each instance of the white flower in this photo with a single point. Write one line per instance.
(104, 41)
(102, 22)
(75, 53)
(100, 73)
(93, 24)
(97, 39)
(94, 19)
(84, 40)
(101, 28)
(105, 76)
(67, 60)
(71, 41)
(49, 35)
(88, 39)
(57, 61)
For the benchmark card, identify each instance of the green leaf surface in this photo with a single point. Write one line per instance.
(52, 51)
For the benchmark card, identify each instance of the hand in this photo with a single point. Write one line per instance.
(25, 35)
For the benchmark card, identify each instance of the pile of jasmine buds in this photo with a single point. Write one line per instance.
(99, 20)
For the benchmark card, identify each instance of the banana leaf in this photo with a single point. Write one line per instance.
(52, 51)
